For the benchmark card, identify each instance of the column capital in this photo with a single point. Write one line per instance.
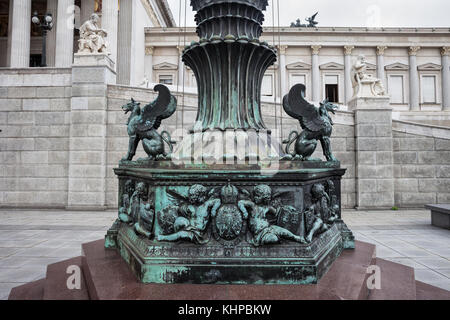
(413, 50)
(282, 49)
(380, 50)
(348, 50)
(445, 51)
(149, 50)
(315, 49)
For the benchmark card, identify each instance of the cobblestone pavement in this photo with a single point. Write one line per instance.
(32, 239)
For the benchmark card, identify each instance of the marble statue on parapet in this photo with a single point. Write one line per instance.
(92, 37)
(144, 123)
(364, 84)
(189, 220)
(260, 212)
(316, 123)
(323, 212)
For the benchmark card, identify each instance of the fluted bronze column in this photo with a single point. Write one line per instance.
(229, 63)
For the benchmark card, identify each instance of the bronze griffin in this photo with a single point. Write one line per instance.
(316, 123)
(144, 123)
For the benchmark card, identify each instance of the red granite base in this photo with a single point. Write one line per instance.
(106, 276)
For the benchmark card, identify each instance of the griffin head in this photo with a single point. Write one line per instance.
(129, 107)
(328, 106)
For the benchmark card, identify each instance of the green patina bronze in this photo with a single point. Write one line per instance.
(276, 222)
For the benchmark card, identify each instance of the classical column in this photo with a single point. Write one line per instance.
(180, 65)
(110, 22)
(149, 63)
(52, 8)
(380, 64)
(348, 72)
(8, 43)
(315, 72)
(445, 52)
(19, 54)
(124, 42)
(413, 79)
(283, 87)
(64, 34)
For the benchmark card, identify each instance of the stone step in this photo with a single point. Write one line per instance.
(109, 277)
(428, 292)
(397, 282)
(29, 291)
(56, 282)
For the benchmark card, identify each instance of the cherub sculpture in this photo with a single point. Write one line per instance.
(193, 216)
(260, 212)
(92, 37)
(123, 210)
(316, 123)
(362, 80)
(322, 213)
(143, 125)
(137, 213)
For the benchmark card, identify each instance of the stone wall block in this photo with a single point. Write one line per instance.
(434, 185)
(406, 185)
(417, 171)
(437, 157)
(405, 157)
(442, 145)
(21, 92)
(10, 105)
(50, 92)
(36, 104)
(89, 75)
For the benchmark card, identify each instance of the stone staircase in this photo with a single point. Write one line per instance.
(107, 277)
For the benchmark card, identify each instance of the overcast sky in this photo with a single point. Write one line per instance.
(348, 13)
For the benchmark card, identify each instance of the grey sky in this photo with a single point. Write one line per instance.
(349, 13)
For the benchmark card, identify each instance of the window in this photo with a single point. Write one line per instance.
(166, 79)
(429, 89)
(297, 78)
(332, 88)
(35, 60)
(395, 86)
(267, 85)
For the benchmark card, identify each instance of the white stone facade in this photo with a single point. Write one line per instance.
(413, 64)
(63, 130)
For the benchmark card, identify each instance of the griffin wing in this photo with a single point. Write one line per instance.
(297, 107)
(162, 108)
(314, 16)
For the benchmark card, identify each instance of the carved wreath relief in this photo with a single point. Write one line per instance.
(229, 214)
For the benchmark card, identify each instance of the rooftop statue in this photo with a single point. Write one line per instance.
(364, 84)
(315, 121)
(312, 23)
(92, 37)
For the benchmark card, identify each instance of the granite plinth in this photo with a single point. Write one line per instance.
(106, 276)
